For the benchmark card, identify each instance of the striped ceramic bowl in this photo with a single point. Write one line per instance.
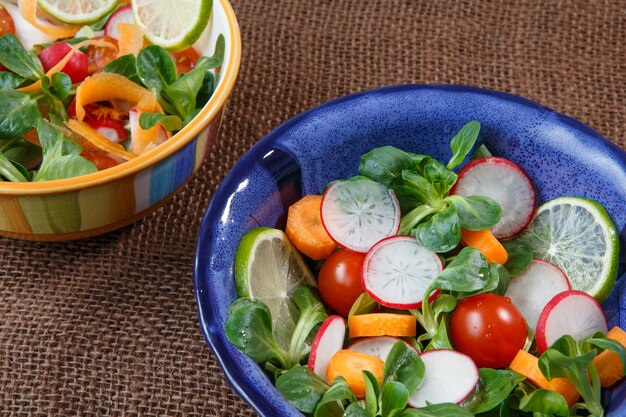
(97, 203)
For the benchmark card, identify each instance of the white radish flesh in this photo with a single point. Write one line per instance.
(357, 214)
(123, 15)
(449, 378)
(328, 341)
(398, 270)
(573, 313)
(532, 289)
(506, 183)
(379, 346)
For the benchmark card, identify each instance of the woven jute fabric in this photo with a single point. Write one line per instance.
(108, 326)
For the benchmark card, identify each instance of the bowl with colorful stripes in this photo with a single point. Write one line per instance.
(106, 200)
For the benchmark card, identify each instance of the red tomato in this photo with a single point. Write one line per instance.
(6, 22)
(76, 67)
(99, 56)
(185, 60)
(100, 159)
(489, 329)
(339, 280)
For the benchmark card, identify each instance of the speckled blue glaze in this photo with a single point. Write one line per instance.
(562, 157)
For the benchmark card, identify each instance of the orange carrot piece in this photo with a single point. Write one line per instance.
(350, 364)
(145, 139)
(305, 229)
(131, 39)
(382, 324)
(105, 86)
(485, 242)
(28, 9)
(59, 66)
(528, 366)
(607, 363)
(98, 140)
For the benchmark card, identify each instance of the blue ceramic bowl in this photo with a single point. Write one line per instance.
(562, 156)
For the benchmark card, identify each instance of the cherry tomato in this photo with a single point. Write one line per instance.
(99, 56)
(339, 280)
(489, 329)
(76, 67)
(6, 22)
(185, 60)
(100, 159)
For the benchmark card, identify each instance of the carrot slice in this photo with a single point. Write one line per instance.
(484, 241)
(382, 324)
(28, 9)
(131, 39)
(350, 364)
(59, 66)
(607, 363)
(528, 366)
(305, 229)
(98, 140)
(105, 86)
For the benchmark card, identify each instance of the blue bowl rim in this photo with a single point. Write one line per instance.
(215, 341)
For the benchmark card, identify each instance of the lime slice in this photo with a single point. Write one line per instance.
(269, 268)
(578, 236)
(172, 24)
(78, 11)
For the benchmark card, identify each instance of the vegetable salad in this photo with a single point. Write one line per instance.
(419, 289)
(76, 99)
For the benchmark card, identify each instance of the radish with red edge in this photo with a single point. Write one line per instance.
(328, 341)
(77, 66)
(122, 15)
(112, 129)
(450, 377)
(359, 213)
(532, 289)
(504, 182)
(573, 313)
(379, 346)
(397, 271)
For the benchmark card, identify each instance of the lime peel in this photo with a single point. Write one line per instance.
(78, 11)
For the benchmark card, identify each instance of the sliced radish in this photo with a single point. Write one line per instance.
(573, 313)
(397, 271)
(112, 129)
(328, 341)
(122, 15)
(357, 214)
(506, 183)
(379, 346)
(531, 290)
(450, 377)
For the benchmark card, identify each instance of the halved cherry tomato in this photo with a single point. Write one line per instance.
(489, 329)
(110, 128)
(339, 280)
(100, 159)
(6, 22)
(99, 56)
(76, 67)
(185, 60)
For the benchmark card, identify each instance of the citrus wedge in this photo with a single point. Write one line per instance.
(269, 268)
(78, 11)
(578, 236)
(172, 24)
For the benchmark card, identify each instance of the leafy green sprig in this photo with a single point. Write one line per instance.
(422, 185)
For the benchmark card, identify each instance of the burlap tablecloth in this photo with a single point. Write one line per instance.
(108, 326)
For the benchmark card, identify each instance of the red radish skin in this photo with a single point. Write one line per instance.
(403, 268)
(112, 129)
(328, 341)
(362, 237)
(532, 289)
(450, 377)
(76, 68)
(573, 313)
(122, 15)
(379, 346)
(505, 182)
